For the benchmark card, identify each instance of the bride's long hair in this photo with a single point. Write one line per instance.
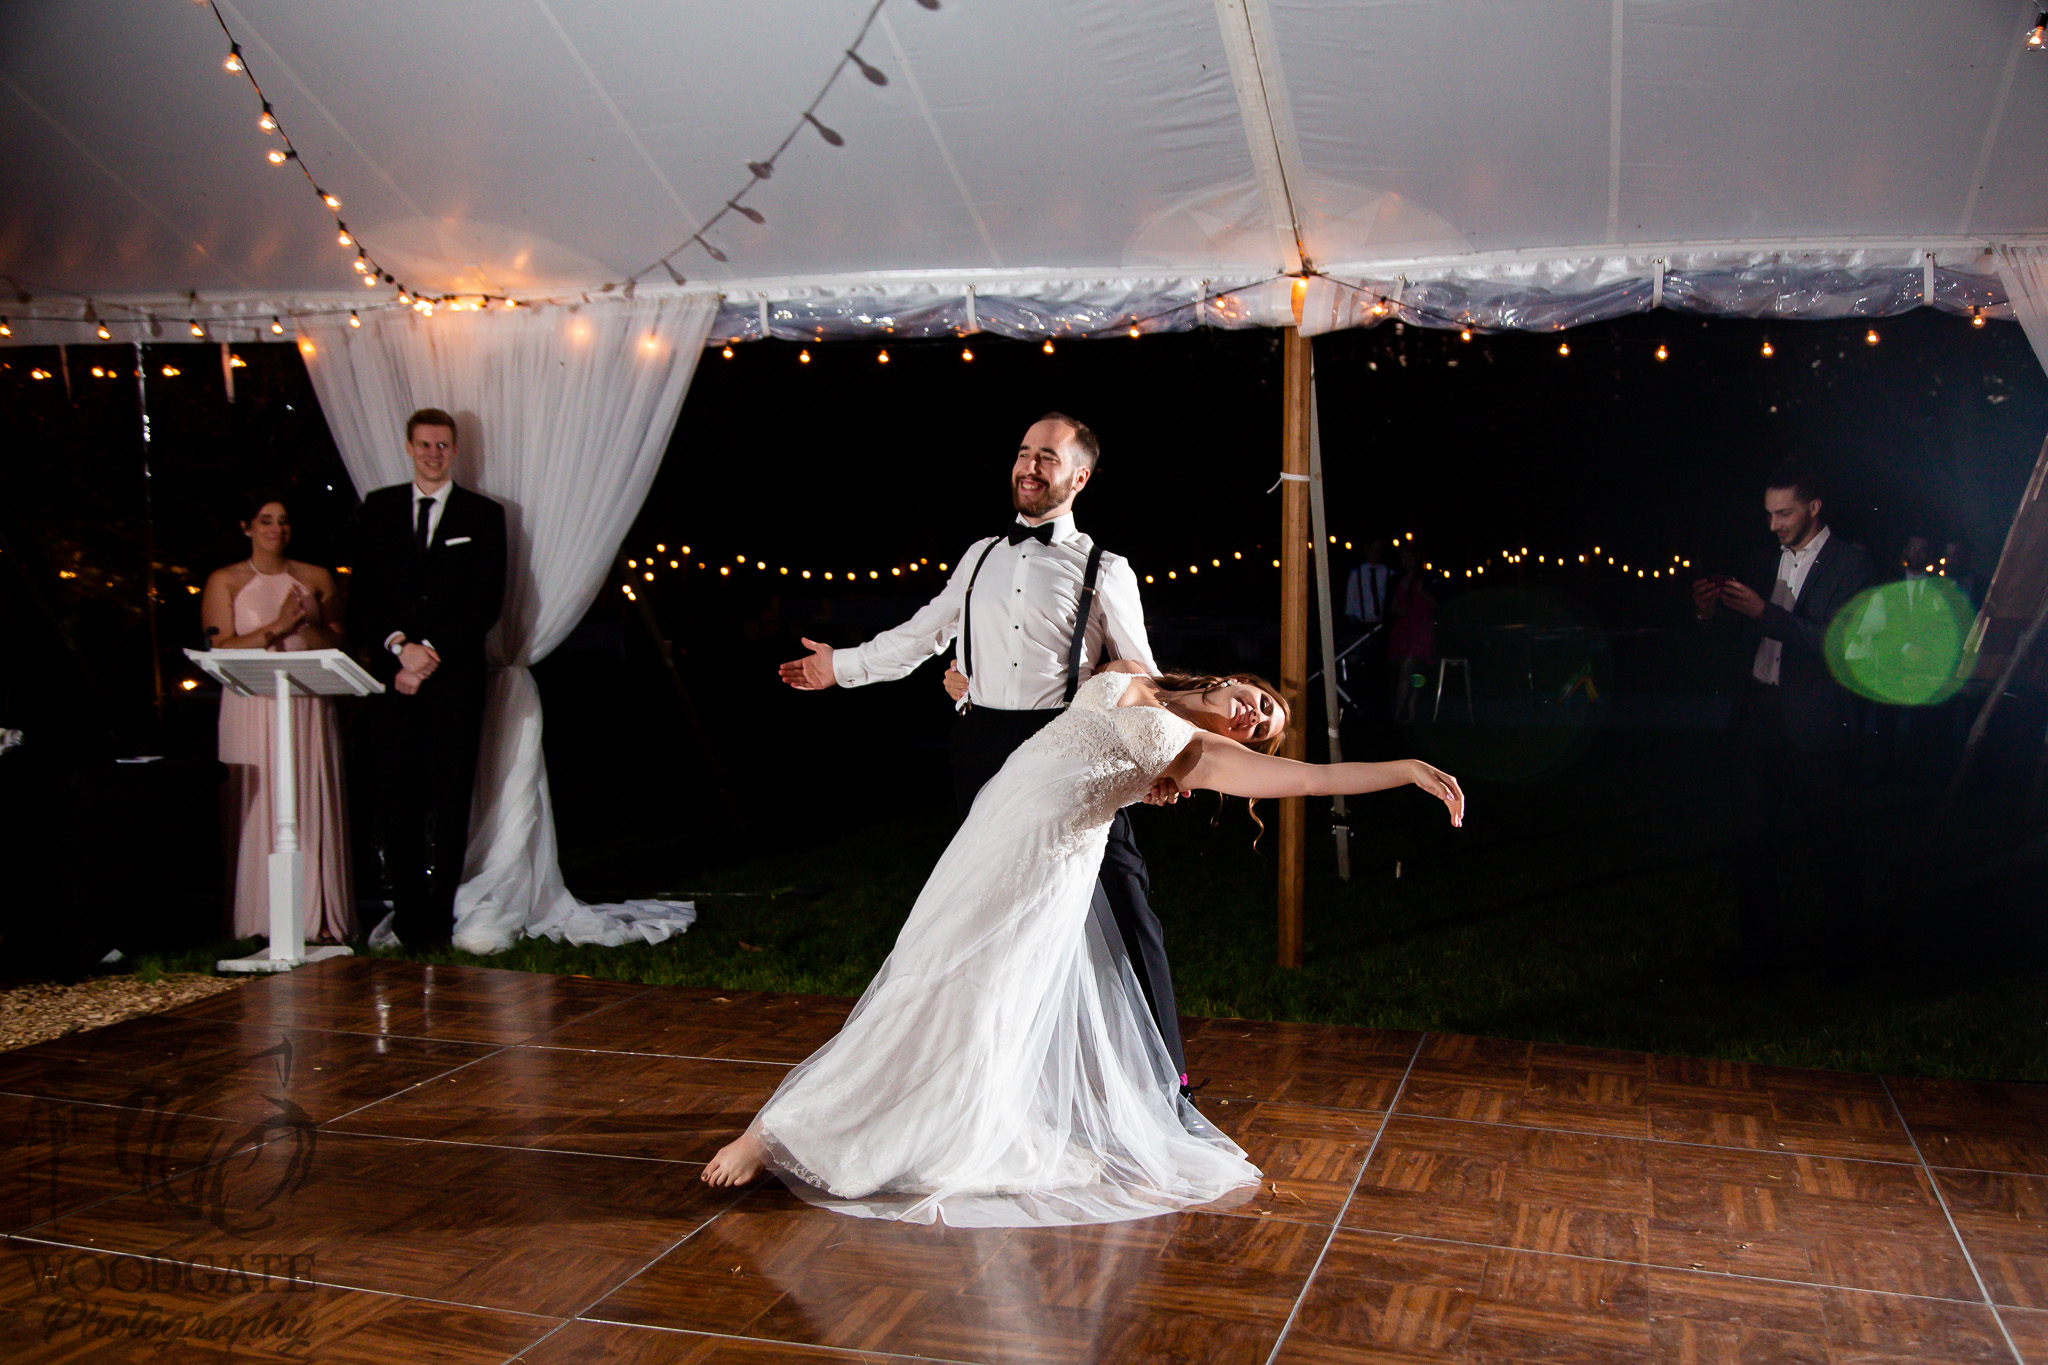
(1172, 681)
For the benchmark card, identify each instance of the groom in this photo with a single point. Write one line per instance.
(1034, 610)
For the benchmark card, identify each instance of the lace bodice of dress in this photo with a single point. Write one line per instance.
(1123, 748)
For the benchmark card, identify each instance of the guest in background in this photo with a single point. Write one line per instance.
(270, 601)
(429, 582)
(1793, 726)
(1366, 596)
(1411, 640)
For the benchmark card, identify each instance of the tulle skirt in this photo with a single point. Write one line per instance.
(1002, 1068)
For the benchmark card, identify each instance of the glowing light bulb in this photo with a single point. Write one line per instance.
(329, 200)
(1769, 350)
(1564, 348)
(266, 121)
(803, 357)
(106, 335)
(5, 329)
(353, 320)
(881, 357)
(343, 238)
(234, 58)
(1870, 337)
(726, 352)
(967, 353)
(1134, 332)
(1976, 317)
(1663, 351)
(172, 372)
(1047, 348)
(198, 330)
(277, 157)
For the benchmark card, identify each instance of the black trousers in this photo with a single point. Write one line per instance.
(1770, 773)
(425, 750)
(982, 741)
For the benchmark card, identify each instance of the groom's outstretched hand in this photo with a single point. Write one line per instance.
(813, 672)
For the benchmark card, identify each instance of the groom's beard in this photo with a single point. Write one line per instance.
(1051, 496)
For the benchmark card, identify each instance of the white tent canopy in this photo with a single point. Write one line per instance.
(1059, 167)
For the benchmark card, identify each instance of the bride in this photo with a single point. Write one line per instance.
(1002, 1069)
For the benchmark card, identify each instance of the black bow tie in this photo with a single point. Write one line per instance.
(1019, 533)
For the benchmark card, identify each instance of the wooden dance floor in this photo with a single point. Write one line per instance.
(378, 1161)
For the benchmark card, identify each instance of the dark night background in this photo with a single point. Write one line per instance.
(845, 463)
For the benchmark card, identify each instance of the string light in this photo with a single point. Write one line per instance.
(803, 357)
(1769, 350)
(106, 335)
(2037, 36)
(882, 357)
(1464, 334)
(6, 328)
(1870, 337)
(197, 329)
(1564, 348)
(967, 353)
(1134, 332)
(1976, 317)
(267, 121)
(727, 352)
(276, 327)
(353, 320)
(235, 362)
(278, 156)
(234, 58)
(1663, 351)
(1047, 348)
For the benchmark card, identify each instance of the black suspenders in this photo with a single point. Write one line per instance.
(1074, 650)
(1081, 623)
(967, 611)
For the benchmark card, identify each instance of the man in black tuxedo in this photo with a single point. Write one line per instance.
(1793, 725)
(428, 582)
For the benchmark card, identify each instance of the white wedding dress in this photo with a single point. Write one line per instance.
(1002, 1069)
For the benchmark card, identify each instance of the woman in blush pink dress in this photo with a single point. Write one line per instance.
(268, 601)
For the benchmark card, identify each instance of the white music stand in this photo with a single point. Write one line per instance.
(277, 674)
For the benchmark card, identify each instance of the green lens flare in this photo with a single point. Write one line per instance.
(1901, 643)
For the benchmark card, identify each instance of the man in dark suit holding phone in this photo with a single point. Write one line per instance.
(427, 586)
(1793, 725)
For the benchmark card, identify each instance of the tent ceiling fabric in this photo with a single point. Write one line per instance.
(1076, 164)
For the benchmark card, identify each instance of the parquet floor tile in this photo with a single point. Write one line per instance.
(778, 1269)
(57, 1156)
(416, 1000)
(1982, 1125)
(2004, 1222)
(614, 1104)
(1321, 1064)
(248, 1073)
(495, 1227)
(1310, 1156)
(2028, 1328)
(1379, 1298)
(1774, 1108)
(610, 1343)
(1821, 1220)
(744, 1025)
(58, 1307)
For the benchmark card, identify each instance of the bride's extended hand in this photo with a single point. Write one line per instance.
(1164, 792)
(1442, 786)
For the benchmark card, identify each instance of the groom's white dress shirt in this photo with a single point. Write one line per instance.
(1025, 603)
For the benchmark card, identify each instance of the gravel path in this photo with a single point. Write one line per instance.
(43, 1010)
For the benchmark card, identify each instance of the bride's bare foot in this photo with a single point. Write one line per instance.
(737, 1163)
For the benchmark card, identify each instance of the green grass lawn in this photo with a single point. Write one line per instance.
(1587, 902)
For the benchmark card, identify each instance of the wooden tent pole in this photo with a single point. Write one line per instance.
(1297, 399)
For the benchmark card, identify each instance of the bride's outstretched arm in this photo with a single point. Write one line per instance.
(1223, 765)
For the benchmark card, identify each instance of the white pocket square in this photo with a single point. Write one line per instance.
(458, 540)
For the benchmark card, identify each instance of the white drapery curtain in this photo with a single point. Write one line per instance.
(564, 413)
(2023, 270)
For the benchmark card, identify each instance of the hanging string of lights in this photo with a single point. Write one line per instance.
(668, 562)
(764, 168)
(286, 153)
